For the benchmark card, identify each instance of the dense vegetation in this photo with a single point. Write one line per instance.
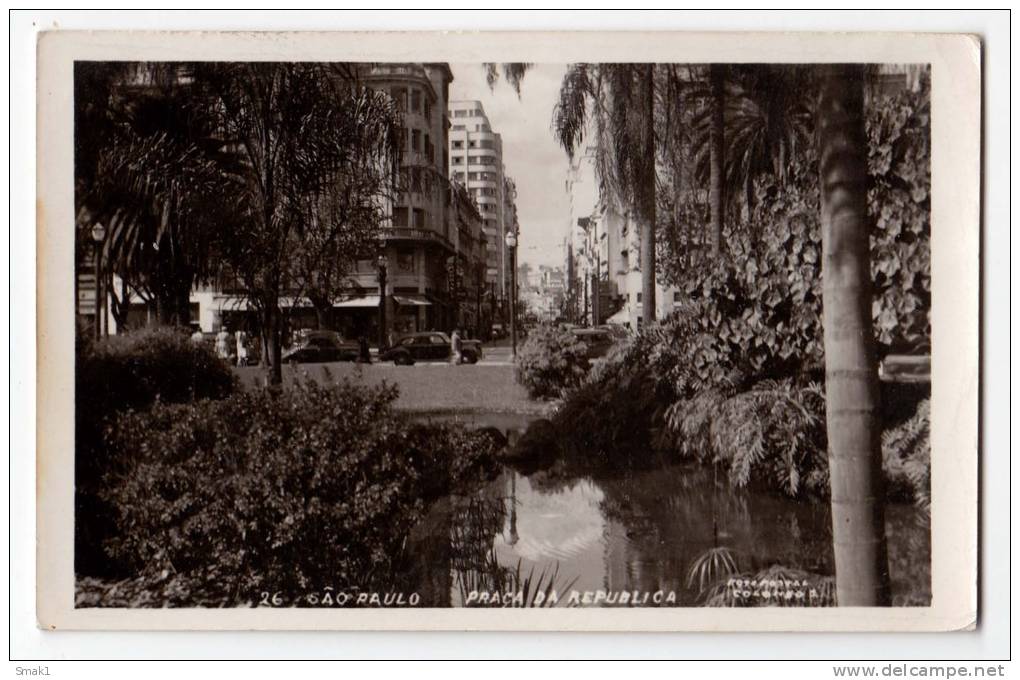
(551, 361)
(739, 365)
(120, 374)
(213, 495)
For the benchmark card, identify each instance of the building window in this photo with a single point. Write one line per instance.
(457, 160)
(415, 101)
(639, 297)
(472, 144)
(419, 218)
(399, 216)
(458, 128)
(405, 261)
(458, 144)
(676, 296)
(415, 140)
(428, 111)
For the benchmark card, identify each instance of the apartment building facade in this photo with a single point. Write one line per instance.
(603, 251)
(476, 161)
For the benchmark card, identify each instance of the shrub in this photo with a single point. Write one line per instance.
(120, 373)
(551, 362)
(134, 369)
(773, 434)
(316, 486)
(906, 457)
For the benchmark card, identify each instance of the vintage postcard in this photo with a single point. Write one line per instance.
(508, 331)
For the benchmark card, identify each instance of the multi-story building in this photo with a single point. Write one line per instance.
(416, 240)
(420, 236)
(476, 160)
(467, 271)
(604, 255)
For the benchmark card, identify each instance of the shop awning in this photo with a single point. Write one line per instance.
(363, 301)
(411, 300)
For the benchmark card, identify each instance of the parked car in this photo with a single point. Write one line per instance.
(320, 347)
(430, 346)
(597, 341)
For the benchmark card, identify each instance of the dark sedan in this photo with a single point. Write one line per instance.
(596, 340)
(321, 347)
(431, 346)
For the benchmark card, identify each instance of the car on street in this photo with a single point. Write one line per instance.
(320, 347)
(597, 341)
(429, 346)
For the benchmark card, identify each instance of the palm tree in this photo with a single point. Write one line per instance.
(146, 168)
(616, 104)
(296, 128)
(768, 124)
(717, 158)
(851, 376)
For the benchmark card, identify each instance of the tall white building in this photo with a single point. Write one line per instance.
(604, 240)
(476, 161)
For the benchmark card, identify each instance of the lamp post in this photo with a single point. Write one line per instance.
(98, 236)
(382, 262)
(511, 243)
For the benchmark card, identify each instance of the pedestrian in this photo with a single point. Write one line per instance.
(197, 336)
(223, 344)
(242, 348)
(456, 347)
(364, 357)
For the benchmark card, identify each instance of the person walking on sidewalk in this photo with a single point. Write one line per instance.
(456, 348)
(242, 348)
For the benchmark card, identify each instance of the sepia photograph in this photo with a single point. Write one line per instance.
(368, 335)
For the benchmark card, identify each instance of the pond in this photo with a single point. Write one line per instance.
(636, 532)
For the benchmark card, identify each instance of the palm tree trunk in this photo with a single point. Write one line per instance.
(851, 375)
(648, 203)
(274, 351)
(716, 192)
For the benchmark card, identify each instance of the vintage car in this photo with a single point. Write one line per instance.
(320, 347)
(430, 346)
(597, 341)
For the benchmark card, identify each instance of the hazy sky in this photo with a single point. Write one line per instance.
(532, 157)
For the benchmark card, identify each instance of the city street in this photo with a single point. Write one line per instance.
(488, 386)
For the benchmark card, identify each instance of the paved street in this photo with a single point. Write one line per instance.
(431, 386)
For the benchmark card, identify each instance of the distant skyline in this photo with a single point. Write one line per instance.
(533, 158)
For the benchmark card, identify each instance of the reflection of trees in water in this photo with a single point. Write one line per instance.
(475, 523)
(682, 521)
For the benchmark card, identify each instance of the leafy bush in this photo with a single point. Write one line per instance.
(756, 309)
(119, 373)
(316, 486)
(899, 202)
(773, 434)
(906, 457)
(134, 369)
(551, 362)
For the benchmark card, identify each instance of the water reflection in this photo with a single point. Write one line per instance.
(637, 531)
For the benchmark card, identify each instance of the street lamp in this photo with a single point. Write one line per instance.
(382, 262)
(511, 243)
(98, 236)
